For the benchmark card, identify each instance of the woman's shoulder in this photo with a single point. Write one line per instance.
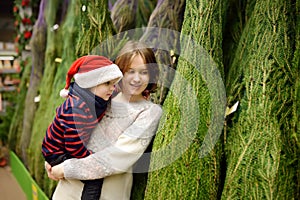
(154, 110)
(154, 106)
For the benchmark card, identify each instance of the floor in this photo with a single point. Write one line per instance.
(9, 187)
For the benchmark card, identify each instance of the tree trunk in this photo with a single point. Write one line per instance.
(123, 14)
(130, 14)
(50, 98)
(262, 79)
(187, 114)
(295, 138)
(163, 34)
(96, 26)
(239, 12)
(167, 17)
(15, 129)
(38, 45)
(67, 36)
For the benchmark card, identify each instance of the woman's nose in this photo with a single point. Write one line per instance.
(136, 77)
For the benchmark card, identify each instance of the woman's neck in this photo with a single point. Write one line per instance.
(121, 97)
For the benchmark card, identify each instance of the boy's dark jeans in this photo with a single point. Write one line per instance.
(58, 160)
(91, 189)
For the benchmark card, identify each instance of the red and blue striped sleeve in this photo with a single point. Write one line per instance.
(70, 129)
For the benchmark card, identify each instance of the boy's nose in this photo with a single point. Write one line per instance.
(112, 87)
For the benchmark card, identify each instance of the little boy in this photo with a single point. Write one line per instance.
(66, 137)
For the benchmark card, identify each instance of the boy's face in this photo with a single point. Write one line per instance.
(105, 90)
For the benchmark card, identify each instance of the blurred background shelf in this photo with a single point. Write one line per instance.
(9, 74)
(9, 71)
(8, 88)
(7, 53)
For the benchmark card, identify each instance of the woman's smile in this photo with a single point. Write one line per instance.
(136, 85)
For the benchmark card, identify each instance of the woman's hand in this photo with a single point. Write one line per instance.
(49, 170)
(58, 171)
(55, 172)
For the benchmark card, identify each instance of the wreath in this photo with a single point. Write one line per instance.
(24, 21)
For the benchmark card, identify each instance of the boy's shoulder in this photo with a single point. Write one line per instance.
(73, 101)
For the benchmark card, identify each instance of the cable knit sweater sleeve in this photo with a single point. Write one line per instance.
(120, 156)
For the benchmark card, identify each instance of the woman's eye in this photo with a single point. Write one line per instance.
(131, 71)
(145, 72)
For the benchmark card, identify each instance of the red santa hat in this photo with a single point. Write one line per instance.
(91, 70)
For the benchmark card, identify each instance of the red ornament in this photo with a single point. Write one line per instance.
(16, 23)
(25, 3)
(27, 34)
(15, 9)
(17, 39)
(3, 162)
(26, 21)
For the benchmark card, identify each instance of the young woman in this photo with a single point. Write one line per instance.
(122, 136)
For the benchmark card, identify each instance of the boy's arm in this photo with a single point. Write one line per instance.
(78, 127)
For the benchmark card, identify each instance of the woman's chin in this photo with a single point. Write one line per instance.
(135, 92)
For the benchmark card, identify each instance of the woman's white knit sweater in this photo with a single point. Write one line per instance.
(118, 141)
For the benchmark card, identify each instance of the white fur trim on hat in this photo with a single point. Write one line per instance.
(98, 76)
(64, 93)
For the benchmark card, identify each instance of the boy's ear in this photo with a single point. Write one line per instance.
(116, 90)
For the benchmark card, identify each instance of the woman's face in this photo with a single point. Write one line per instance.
(136, 79)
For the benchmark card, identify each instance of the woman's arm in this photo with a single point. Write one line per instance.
(122, 155)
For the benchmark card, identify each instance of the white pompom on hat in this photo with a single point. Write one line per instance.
(90, 71)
